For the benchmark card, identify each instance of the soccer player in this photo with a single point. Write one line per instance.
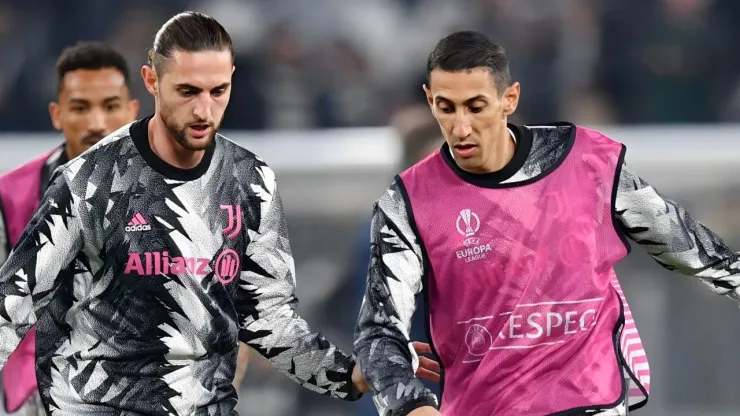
(159, 249)
(92, 101)
(511, 232)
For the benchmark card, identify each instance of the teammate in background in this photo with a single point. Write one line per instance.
(511, 232)
(159, 249)
(93, 101)
(420, 137)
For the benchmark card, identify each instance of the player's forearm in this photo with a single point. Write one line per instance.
(382, 343)
(265, 304)
(386, 359)
(30, 276)
(304, 356)
(673, 237)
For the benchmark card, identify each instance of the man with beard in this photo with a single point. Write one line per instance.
(159, 249)
(93, 101)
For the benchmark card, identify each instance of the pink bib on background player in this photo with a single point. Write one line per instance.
(526, 312)
(20, 192)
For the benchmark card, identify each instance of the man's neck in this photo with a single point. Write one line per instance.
(168, 149)
(68, 153)
(503, 151)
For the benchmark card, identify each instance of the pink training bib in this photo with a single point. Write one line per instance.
(525, 309)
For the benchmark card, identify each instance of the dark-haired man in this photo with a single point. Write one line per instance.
(511, 233)
(169, 244)
(92, 101)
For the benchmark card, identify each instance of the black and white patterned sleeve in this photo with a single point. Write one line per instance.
(673, 238)
(382, 345)
(266, 306)
(29, 277)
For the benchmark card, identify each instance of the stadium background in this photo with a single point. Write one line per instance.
(318, 83)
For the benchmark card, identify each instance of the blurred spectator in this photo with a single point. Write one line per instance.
(674, 69)
(349, 96)
(285, 81)
(346, 63)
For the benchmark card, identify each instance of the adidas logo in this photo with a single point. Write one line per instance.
(138, 223)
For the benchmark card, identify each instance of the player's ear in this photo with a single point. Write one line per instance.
(430, 99)
(149, 75)
(511, 98)
(54, 111)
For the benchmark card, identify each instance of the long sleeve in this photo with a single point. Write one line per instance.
(30, 276)
(266, 307)
(382, 343)
(673, 238)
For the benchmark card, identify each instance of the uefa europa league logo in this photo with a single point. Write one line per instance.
(468, 223)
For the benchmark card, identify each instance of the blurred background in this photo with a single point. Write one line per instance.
(329, 93)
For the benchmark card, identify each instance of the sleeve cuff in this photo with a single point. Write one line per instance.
(352, 393)
(409, 406)
(415, 395)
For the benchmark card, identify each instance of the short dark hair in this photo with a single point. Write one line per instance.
(466, 50)
(188, 32)
(91, 56)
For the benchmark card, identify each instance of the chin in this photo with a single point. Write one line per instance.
(199, 144)
(471, 166)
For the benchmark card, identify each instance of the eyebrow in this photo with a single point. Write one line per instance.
(183, 86)
(469, 101)
(84, 101)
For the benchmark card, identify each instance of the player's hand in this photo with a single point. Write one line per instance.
(428, 368)
(425, 411)
(359, 381)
